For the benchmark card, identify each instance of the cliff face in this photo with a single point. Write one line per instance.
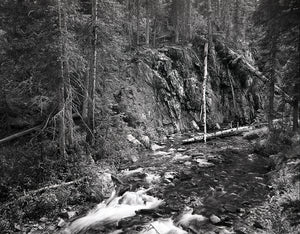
(160, 91)
(165, 91)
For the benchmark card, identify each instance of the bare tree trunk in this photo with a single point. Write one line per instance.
(236, 22)
(86, 95)
(177, 30)
(204, 89)
(210, 41)
(61, 96)
(130, 30)
(137, 22)
(92, 82)
(68, 86)
(295, 115)
(219, 9)
(176, 27)
(272, 78)
(226, 18)
(271, 101)
(244, 24)
(154, 32)
(147, 23)
(189, 23)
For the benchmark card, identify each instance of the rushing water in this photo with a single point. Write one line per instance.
(196, 189)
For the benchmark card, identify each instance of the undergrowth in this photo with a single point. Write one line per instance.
(284, 148)
(34, 162)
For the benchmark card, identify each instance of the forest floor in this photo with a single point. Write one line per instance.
(223, 180)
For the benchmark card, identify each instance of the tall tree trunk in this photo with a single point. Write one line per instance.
(189, 23)
(92, 83)
(226, 15)
(137, 22)
(295, 115)
(204, 89)
(86, 94)
(68, 86)
(130, 25)
(176, 28)
(209, 10)
(219, 9)
(147, 22)
(61, 96)
(297, 90)
(272, 80)
(244, 23)
(154, 32)
(236, 21)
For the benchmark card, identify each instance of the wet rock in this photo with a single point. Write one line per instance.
(17, 227)
(181, 149)
(262, 143)
(197, 154)
(161, 153)
(192, 221)
(181, 157)
(146, 141)
(169, 175)
(204, 163)
(152, 178)
(61, 223)
(133, 140)
(51, 228)
(67, 214)
(133, 158)
(71, 214)
(214, 219)
(43, 219)
(155, 147)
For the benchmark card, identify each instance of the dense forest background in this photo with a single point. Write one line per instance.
(83, 81)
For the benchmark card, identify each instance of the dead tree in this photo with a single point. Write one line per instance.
(93, 74)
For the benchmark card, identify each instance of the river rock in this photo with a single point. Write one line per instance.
(181, 149)
(61, 223)
(155, 147)
(43, 219)
(181, 157)
(133, 140)
(214, 219)
(146, 141)
(204, 163)
(170, 175)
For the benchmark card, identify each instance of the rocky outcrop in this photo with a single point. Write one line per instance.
(166, 90)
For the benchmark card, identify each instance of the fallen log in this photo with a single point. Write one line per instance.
(54, 186)
(34, 192)
(223, 133)
(19, 134)
(236, 60)
(256, 133)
